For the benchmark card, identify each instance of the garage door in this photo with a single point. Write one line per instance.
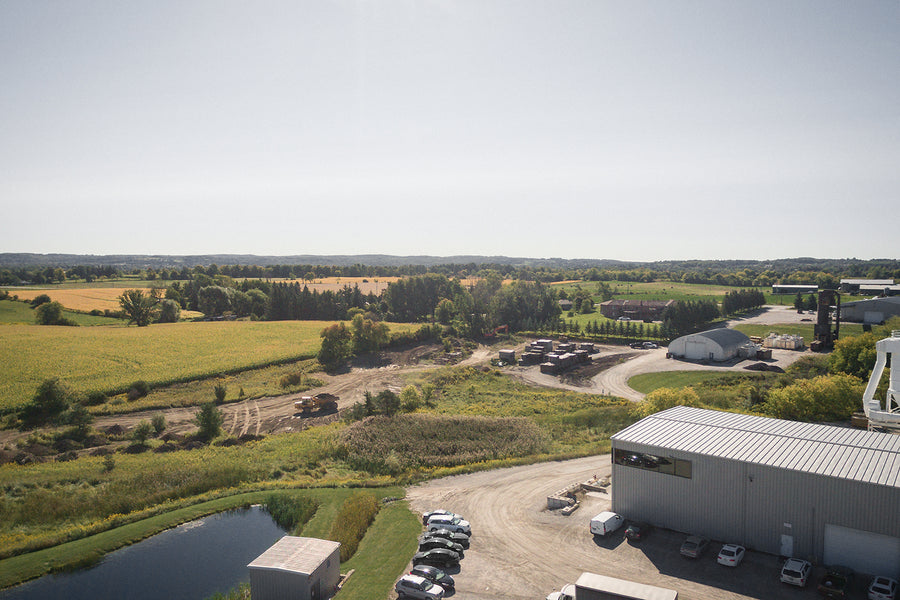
(695, 350)
(862, 551)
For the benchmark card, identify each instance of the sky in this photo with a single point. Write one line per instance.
(629, 130)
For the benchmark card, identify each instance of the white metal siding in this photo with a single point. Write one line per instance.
(696, 350)
(863, 551)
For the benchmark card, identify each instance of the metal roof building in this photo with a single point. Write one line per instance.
(715, 344)
(876, 310)
(830, 494)
(296, 568)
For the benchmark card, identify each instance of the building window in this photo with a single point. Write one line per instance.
(650, 462)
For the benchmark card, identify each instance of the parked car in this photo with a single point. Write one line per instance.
(883, 588)
(836, 582)
(430, 543)
(796, 572)
(434, 575)
(454, 523)
(413, 586)
(637, 345)
(694, 546)
(650, 345)
(606, 522)
(567, 593)
(457, 538)
(638, 531)
(731, 555)
(439, 557)
(440, 511)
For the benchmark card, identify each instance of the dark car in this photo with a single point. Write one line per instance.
(638, 531)
(439, 557)
(457, 538)
(835, 582)
(430, 543)
(434, 575)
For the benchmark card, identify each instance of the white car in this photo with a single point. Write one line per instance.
(567, 593)
(796, 572)
(453, 523)
(883, 588)
(413, 586)
(440, 511)
(731, 555)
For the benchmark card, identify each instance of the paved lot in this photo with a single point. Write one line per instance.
(522, 550)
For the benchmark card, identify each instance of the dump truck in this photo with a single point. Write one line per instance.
(320, 403)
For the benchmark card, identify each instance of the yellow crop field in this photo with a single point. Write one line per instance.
(111, 358)
(366, 285)
(81, 299)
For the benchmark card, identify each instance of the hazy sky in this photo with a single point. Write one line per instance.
(593, 129)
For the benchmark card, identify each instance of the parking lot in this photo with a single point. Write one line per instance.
(522, 550)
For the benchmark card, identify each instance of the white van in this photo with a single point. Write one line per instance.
(606, 522)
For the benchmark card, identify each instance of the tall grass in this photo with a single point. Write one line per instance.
(291, 512)
(352, 522)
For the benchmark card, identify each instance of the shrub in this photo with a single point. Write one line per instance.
(141, 432)
(138, 389)
(95, 398)
(220, 390)
(292, 379)
(159, 423)
(209, 420)
(353, 519)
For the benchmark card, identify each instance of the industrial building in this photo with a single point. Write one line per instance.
(818, 492)
(296, 568)
(794, 289)
(716, 345)
(854, 286)
(874, 311)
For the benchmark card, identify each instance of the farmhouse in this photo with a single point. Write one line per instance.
(716, 344)
(296, 568)
(639, 310)
(876, 310)
(819, 492)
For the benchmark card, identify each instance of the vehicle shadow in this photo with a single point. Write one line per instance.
(756, 577)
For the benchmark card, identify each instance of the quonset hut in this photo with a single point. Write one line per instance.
(716, 344)
(819, 492)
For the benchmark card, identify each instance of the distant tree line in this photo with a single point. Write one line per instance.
(825, 273)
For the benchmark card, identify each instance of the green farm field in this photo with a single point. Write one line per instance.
(109, 359)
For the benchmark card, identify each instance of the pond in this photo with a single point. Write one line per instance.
(190, 562)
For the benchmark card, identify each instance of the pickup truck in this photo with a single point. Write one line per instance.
(835, 582)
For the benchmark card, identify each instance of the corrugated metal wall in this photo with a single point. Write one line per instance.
(753, 505)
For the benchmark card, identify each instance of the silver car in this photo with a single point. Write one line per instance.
(413, 586)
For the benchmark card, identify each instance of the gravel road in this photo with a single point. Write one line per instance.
(522, 550)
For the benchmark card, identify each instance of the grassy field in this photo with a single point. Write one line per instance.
(111, 358)
(20, 313)
(647, 382)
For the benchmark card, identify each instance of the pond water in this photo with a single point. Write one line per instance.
(190, 562)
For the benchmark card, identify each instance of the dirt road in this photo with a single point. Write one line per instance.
(522, 550)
